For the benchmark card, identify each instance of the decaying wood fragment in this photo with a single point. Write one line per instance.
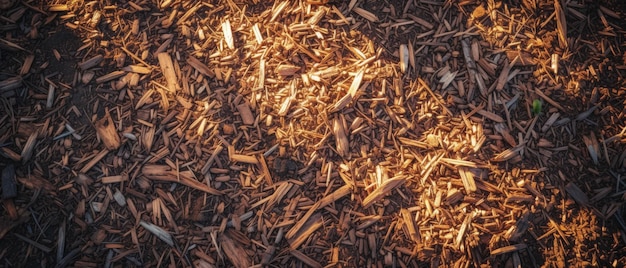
(28, 63)
(36, 182)
(504, 74)
(9, 191)
(577, 194)
(10, 84)
(233, 250)
(27, 151)
(245, 113)
(592, 146)
(91, 62)
(305, 259)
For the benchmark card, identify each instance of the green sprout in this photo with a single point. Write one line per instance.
(536, 107)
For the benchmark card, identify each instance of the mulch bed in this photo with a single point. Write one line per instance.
(312, 133)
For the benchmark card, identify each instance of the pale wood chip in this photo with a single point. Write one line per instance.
(459, 162)
(383, 190)
(200, 67)
(467, 177)
(464, 227)
(341, 138)
(228, 34)
(257, 33)
(167, 67)
(334, 196)
(404, 58)
(158, 232)
(351, 94)
(287, 69)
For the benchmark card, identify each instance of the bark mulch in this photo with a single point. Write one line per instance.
(312, 133)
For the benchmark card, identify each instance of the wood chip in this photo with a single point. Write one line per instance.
(234, 251)
(110, 76)
(593, 147)
(245, 113)
(358, 133)
(383, 190)
(341, 139)
(576, 193)
(307, 228)
(365, 14)
(305, 259)
(107, 132)
(468, 180)
(165, 173)
(167, 67)
(91, 62)
(228, 34)
(508, 249)
(200, 67)
(158, 232)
